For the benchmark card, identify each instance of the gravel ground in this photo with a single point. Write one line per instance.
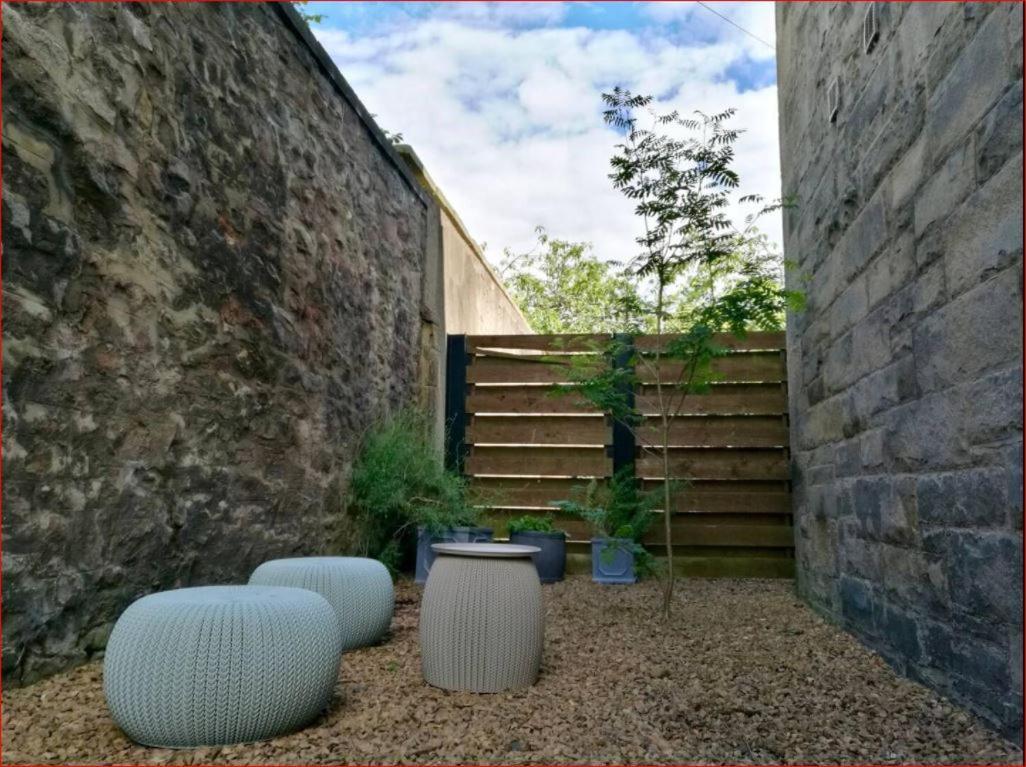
(743, 673)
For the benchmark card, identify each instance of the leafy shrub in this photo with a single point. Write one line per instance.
(397, 483)
(617, 509)
(530, 523)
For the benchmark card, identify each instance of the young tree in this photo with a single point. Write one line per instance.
(561, 287)
(679, 174)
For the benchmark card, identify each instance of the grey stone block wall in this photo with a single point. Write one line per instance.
(214, 279)
(906, 368)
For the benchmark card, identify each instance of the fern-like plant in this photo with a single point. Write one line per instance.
(619, 511)
(398, 483)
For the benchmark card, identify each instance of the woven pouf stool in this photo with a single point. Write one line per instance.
(215, 665)
(482, 623)
(359, 589)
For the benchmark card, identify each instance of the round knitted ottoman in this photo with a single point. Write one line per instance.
(359, 589)
(220, 664)
(482, 623)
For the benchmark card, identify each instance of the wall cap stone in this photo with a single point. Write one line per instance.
(295, 22)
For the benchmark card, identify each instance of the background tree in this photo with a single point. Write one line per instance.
(561, 287)
(678, 171)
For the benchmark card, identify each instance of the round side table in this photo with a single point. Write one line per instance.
(482, 622)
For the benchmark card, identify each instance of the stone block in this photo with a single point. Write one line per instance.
(848, 458)
(899, 633)
(999, 135)
(927, 433)
(985, 234)
(944, 190)
(928, 290)
(913, 580)
(876, 392)
(983, 571)
(866, 235)
(850, 307)
(969, 89)
(891, 270)
(857, 603)
(859, 558)
(976, 332)
(902, 129)
(967, 498)
(994, 408)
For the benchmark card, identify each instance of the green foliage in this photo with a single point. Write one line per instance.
(617, 509)
(309, 18)
(398, 482)
(531, 523)
(561, 287)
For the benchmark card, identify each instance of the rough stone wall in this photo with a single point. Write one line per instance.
(906, 379)
(213, 268)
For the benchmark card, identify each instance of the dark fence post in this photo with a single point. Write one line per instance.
(455, 402)
(624, 446)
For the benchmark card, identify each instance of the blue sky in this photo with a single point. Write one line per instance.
(502, 101)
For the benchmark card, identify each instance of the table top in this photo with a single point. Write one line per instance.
(485, 549)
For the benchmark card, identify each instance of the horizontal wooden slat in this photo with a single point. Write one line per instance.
(527, 370)
(710, 563)
(575, 342)
(770, 536)
(760, 340)
(723, 399)
(763, 536)
(728, 497)
(566, 342)
(715, 463)
(525, 400)
(539, 461)
(539, 430)
(524, 491)
(741, 367)
(702, 497)
(717, 431)
(739, 552)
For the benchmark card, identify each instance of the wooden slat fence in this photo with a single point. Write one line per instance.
(523, 446)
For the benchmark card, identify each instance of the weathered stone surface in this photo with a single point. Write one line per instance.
(212, 285)
(908, 360)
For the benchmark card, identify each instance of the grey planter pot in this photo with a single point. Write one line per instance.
(551, 560)
(425, 556)
(612, 560)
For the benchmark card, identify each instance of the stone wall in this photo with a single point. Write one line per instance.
(906, 369)
(476, 300)
(214, 279)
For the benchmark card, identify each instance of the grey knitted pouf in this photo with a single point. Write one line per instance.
(482, 622)
(359, 589)
(220, 664)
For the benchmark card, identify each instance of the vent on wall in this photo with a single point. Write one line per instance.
(870, 28)
(833, 99)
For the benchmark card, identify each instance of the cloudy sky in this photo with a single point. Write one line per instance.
(502, 100)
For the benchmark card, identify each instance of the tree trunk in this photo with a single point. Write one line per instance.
(665, 418)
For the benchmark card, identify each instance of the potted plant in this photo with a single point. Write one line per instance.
(619, 514)
(538, 531)
(398, 485)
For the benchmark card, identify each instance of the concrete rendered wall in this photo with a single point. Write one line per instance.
(906, 369)
(217, 273)
(476, 301)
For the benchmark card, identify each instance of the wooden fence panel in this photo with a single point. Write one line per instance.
(526, 444)
(539, 430)
(717, 431)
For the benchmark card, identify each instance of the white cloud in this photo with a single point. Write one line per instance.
(506, 114)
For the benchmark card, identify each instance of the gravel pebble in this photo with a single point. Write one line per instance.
(742, 673)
